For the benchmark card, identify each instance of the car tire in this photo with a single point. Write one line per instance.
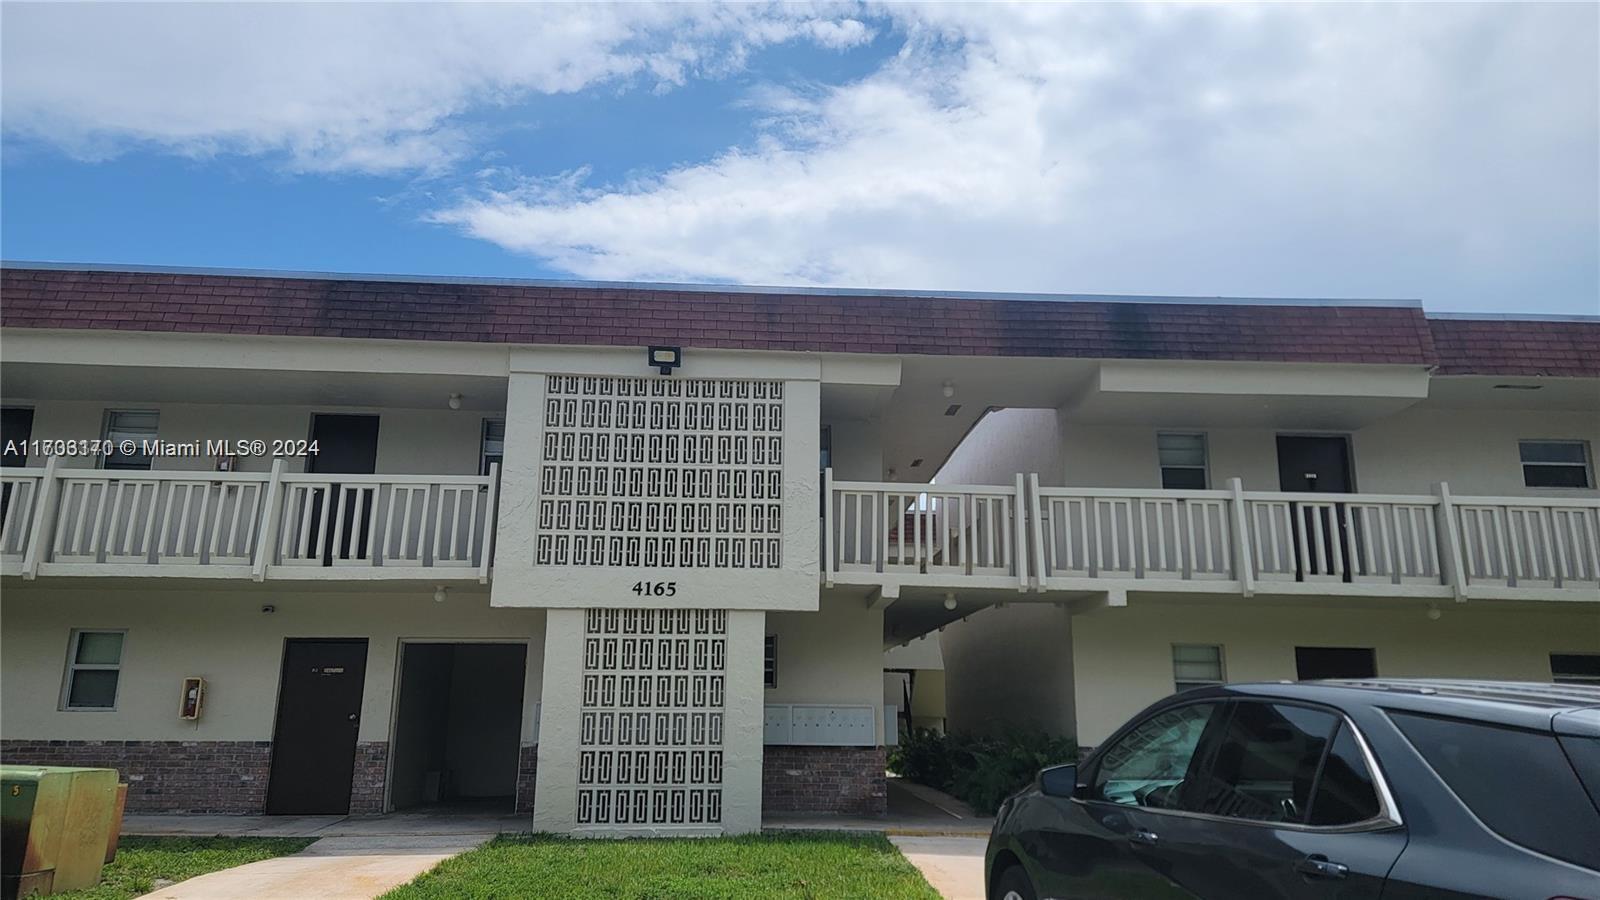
(1013, 884)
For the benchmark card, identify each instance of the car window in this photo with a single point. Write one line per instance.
(1518, 783)
(1345, 793)
(1148, 765)
(1266, 764)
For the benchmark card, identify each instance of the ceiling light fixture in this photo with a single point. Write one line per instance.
(949, 389)
(454, 402)
(439, 593)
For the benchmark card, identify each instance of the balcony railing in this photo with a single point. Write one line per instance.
(274, 525)
(1084, 539)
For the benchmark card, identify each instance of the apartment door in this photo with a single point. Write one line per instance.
(319, 714)
(16, 428)
(346, 445)
(1317, 464)
(1335, 662)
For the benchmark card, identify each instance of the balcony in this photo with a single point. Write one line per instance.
(1028, 538)
(258, 526)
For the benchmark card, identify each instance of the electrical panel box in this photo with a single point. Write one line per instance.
(193, 697)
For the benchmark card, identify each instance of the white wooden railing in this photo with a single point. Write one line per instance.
(233, 524)
(1232, 540)
(919, 532)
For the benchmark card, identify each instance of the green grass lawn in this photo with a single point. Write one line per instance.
(143, 861)
(794, 865)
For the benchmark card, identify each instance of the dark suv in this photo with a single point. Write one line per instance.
(1336, 789)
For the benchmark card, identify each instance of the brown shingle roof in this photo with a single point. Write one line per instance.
(578, 314)
(350, 307)
(1517, 347)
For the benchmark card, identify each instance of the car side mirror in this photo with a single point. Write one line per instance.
(1059, 781)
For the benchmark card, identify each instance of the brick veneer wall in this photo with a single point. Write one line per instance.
(372, 771)
(166, 776)
(527, 776)
(846, 780)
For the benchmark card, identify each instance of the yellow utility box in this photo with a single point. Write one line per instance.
(55, 826)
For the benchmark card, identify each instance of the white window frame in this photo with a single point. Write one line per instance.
(769, 662)
(483, 444)
(74, 667)
(1205, 459)
(1222, 669)
(1587, 465)
(1558, 678)
(105, 435)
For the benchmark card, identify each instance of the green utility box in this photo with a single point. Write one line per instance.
(55, 826)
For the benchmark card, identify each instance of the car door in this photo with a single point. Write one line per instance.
(1083, 847)
(1286, 805)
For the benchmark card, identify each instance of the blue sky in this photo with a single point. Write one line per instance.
(1447, 153)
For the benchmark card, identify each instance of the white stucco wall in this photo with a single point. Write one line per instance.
(223, 636)
(831, 656)
(1474, 450)
(1003, 443)
(410, 441)
(1010, 666)
(1123, 656)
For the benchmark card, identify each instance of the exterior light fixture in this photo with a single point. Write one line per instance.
(950, 600)
(949, 389)
(665, 359)
(454, 402)
(439, 593)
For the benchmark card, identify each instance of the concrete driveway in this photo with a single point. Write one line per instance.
(953, 865)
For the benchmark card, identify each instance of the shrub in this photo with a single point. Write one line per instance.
(979, 770)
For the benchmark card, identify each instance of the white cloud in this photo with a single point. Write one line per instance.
(1450, 152)
(1446, 152)
(350, 86)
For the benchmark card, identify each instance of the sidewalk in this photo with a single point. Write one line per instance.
(332, 868)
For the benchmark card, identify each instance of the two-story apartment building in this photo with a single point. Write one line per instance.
(627, 557)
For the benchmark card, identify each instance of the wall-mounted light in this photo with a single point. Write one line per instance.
(665, 359)
(439, 593)
(950, 601)
(454, 402)
(949, 389)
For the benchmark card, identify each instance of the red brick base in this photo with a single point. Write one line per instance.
(527, 777)
(371, 773)
(166, 776)
(846, 780)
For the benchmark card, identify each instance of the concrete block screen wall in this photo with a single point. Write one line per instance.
(658, 518)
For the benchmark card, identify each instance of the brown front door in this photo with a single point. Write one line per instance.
(1318, 464)
(319, 713)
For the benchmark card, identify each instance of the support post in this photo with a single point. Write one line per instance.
(1036, 514)
(490, 526)
(1243, 565)
(41, 528)
(1449, 530)
(827, 527)
(267, 536)
(1021, 542)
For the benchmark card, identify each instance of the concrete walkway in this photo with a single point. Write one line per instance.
(953, 865)
(332, 868)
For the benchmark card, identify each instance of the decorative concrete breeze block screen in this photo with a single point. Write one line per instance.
(650, 741)
(664, 472)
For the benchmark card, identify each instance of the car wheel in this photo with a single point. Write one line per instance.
(1013, 884)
